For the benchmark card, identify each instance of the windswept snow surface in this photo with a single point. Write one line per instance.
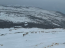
(32, 38)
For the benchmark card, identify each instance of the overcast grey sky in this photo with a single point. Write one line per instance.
(56, 5)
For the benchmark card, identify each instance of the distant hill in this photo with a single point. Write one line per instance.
(11, 16)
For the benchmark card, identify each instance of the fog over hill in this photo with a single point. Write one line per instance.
(29, 17)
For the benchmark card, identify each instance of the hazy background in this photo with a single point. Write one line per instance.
(55, 5)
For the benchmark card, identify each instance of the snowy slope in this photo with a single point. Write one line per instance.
(32, 38)
(17, 15)
(29, 34)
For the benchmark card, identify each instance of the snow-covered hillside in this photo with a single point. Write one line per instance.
(22, 27)
(32, 38)
(15, 16)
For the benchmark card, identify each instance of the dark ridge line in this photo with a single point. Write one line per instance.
(5, 24)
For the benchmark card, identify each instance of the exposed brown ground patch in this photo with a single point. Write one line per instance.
(1, 44)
